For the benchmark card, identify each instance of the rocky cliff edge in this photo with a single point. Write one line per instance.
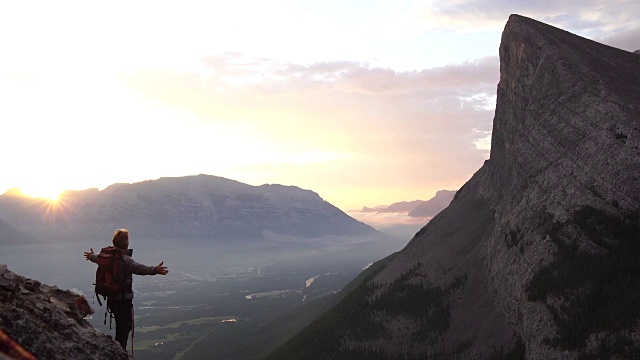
(49, 322)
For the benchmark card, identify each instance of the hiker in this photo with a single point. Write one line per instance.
(121, 303)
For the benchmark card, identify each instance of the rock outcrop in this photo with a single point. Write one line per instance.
(537, 253)
(49, 322)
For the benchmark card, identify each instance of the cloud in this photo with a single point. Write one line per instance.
(583, 16)
(352, 76)
(627, 40)
(399, 225)
(375, 128)
(381, 221)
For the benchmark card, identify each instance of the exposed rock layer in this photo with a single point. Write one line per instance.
(49, 322)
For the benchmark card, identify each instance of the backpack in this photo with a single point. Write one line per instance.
(107, 283)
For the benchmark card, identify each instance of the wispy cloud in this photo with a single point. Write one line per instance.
(627, 40)
(375, 123)
(384, 220)
(583, 16)
(350, 76)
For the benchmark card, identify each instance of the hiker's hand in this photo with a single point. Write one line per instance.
(87, 255)
(161, 270)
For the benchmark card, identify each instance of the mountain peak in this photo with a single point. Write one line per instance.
(538, 243)
(565, 146)
(14, 192)
(560, 96)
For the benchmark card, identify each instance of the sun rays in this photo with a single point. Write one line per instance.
(53, 208)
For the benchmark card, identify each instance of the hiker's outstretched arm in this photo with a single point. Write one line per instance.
(137, 268)
(161, 269)
(91, 256)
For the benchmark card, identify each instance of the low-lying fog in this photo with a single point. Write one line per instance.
(64, 265)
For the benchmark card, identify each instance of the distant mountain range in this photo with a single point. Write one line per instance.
(202, 206)
(417, 208)
(403, 219)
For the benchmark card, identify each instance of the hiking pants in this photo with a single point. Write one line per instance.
(121, 310)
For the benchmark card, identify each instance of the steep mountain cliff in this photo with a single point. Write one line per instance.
(49, 322)
(186, 207)
(538, 252)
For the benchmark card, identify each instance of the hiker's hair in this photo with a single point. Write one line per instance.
(121, 238)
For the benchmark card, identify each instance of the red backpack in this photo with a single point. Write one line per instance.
(107, 283)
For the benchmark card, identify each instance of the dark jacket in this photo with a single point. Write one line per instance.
(126, 268)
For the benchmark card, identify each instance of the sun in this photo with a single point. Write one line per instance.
(52, 195)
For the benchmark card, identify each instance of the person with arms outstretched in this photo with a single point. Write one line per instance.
(121, 303)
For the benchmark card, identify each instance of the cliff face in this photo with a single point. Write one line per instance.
(538, 252)
(564, 182)
(49, 322)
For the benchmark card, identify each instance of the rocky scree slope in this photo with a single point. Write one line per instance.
(537, 254)
(49, 322)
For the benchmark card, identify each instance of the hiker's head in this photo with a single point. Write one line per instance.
(121, 239)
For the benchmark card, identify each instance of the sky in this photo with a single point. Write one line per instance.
(364, 102)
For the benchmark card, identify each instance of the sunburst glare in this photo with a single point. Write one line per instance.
(49, 199)
(55, 208)
(51, 195)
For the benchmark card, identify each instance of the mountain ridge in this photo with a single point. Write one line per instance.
(416, 208)
(200, 206)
